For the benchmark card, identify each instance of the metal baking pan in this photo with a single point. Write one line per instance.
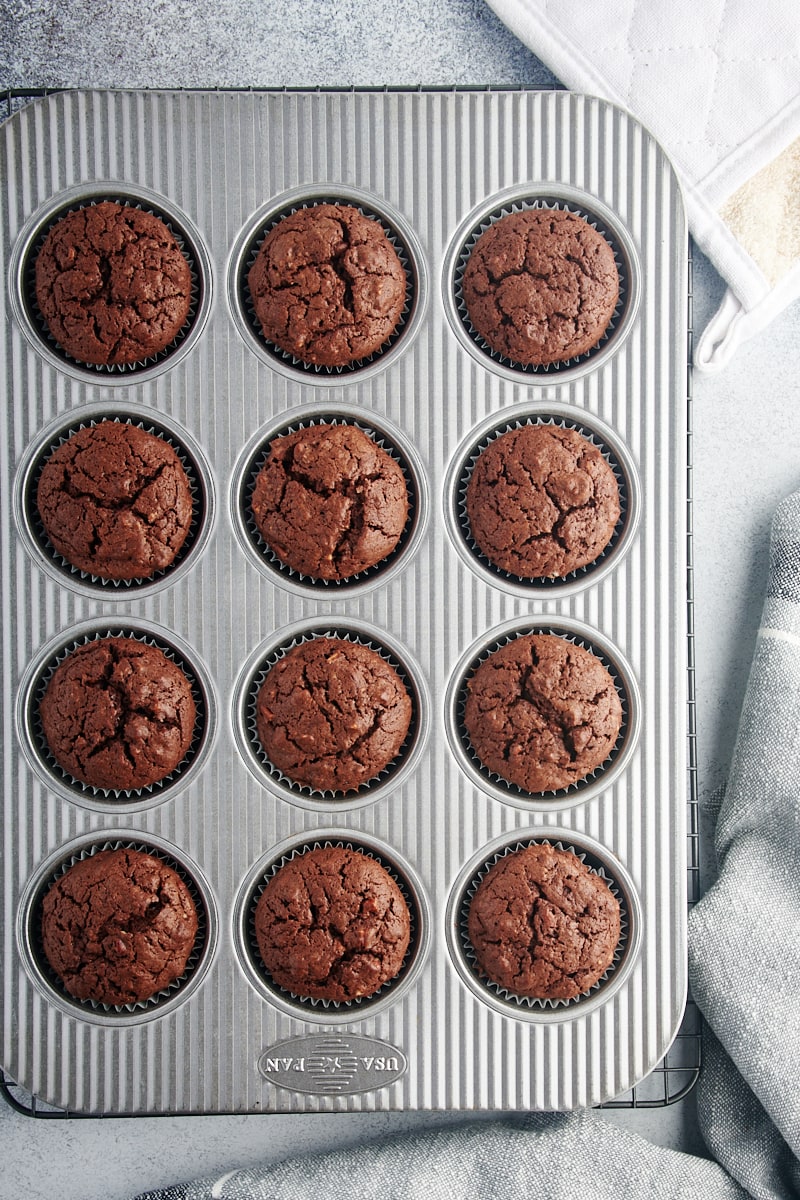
(434, 167)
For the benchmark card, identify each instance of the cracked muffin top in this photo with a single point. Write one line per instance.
(115, 501)
(541, 286)
(542, 712)
(332, 714)
(327, 285)
(118, 926)
(332, 924)
(118, 714)
(542, 501)
(329, 502)
(113, 284)
(543, 925)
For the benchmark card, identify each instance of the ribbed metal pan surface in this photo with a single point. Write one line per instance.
(434, 167)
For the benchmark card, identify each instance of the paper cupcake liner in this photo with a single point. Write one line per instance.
(284, 356)
(265, 550)
(498, 781)
(541, 581)
(39, 741)
(311, 1004)
(523, 205)
(38, 321)
(598, 867)
(39, 534)
(158, 998)
(302, 789)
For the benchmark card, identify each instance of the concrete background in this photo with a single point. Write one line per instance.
(746, 425)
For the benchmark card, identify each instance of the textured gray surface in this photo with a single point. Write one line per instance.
(247, 43)
(746, 423)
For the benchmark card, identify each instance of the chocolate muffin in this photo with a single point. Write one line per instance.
(542, 501)
(543, 925)
(118, 927)
(329, 502)
(541, 286)
(113, 284)
(115, 501)
(332, 924)
(118, 714)
(332, 714)
(327, 285)
(542, 712)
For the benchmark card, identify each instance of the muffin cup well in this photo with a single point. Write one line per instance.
(561, 416)
(528, 1008)
(33, 532)
(246, 251)
(34, 743)
(24, 292)
(577, 792)
(389, 439)
(30, 939)
(567, 199)
(331, 1011)
(246, 694)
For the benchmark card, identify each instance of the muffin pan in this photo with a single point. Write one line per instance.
(434, 168)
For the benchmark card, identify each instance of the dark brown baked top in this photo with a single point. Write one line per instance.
(542, 501)
(115, 501)
(329, 502)
(543, 925)
(118, 927)
(327, 285)
(112, 284)
(118, 714)
(332, 924)
(541, 286)
(542, 712)
(332, 714)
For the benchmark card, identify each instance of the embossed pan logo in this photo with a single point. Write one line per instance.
(332, 1064)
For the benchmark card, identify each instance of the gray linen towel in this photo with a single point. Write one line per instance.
(551, 1156)
(744, 961)
(744, 937)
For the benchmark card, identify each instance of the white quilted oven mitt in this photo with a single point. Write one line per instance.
(718, 83)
